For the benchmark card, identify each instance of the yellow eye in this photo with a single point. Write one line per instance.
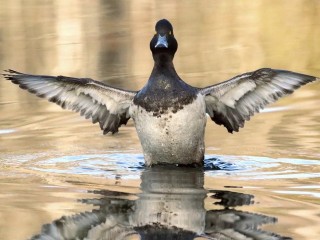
(170, 33)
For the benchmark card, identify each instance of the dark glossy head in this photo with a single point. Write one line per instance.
(163, 42)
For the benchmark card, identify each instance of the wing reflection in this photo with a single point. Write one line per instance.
(170, 206)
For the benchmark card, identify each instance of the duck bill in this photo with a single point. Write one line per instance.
(162, 42)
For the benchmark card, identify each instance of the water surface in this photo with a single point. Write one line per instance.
(60, 177)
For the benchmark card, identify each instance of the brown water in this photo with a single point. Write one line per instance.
(262, 182)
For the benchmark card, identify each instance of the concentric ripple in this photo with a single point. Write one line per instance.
(130, 166)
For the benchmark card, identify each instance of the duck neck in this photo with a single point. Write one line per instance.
(163, 65)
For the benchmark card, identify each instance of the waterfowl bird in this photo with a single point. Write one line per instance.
(169, 114)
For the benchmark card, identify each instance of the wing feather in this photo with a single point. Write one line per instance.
(233, 102)
(102, 103)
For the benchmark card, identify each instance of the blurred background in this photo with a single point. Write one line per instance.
(109, 41)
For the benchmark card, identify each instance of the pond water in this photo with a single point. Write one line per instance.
(60, 178)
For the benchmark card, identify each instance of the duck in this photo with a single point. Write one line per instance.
(169, 114)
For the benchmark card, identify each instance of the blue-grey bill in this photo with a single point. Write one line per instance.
(162, 42)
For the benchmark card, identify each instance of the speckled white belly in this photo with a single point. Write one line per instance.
(172, 137)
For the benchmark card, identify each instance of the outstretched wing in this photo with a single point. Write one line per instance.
(232, 102)
(106, 105)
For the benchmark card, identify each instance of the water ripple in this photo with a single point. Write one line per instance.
(6, 131)
(130, 166)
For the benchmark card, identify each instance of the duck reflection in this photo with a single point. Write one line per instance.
(170, 206)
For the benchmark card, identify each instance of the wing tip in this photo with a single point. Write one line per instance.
(11, 71)
(10, 74)
(304, 77)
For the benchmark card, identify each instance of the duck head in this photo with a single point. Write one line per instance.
(163, 45)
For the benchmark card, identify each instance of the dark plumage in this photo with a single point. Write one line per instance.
(95, 100)
(233, 102)
(168, 113)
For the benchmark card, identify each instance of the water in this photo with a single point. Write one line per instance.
(61, 177)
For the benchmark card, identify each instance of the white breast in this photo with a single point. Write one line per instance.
(172, 137)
